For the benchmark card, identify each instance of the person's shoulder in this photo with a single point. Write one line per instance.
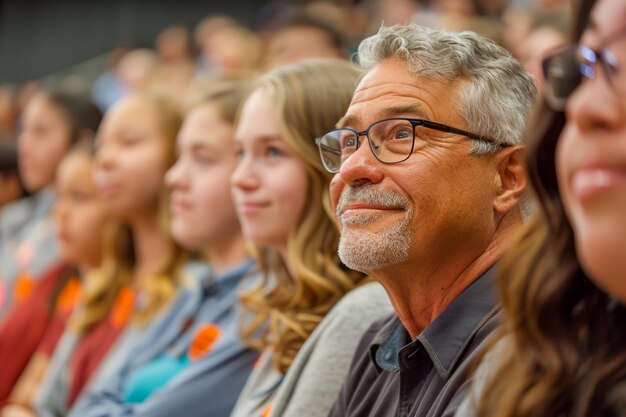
(368, 296)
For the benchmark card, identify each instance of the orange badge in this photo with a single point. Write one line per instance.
(69, 296)
(267, 410)
(123, 308)
(203, 341)
(23, 287)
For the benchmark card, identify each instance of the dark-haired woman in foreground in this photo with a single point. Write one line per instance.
(562, 346)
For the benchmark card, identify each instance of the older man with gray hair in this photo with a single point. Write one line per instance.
(429, 179)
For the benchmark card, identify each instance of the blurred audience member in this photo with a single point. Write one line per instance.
(173, 44)
(298, 36)
(459, 15)
(538, 43)
(80, 219)
(141, 265)
(192, 362)
(490, 8)
(233, 50)
(52, 122)
(11, 188)
(202, 35)
(107, 88)
(8, 112)
(395, 12)
(136, 70)
(176, 68)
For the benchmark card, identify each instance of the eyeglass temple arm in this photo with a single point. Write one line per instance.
(450, 129)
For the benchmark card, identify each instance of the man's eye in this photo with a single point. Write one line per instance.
(402, 134)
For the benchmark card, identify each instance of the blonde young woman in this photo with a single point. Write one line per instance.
(281, 192)
(141, 265)
(193, 363)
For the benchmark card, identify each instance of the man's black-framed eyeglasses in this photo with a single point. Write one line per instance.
(391, 140)
(564, 69)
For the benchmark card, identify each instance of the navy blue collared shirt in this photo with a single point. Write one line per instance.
(392, 375)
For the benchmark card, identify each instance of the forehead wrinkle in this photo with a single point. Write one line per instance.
(415, 108)
(372, 91)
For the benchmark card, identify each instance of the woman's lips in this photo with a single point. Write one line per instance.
(590, 181)
(108, 190)
(180, 206)
(250, 207)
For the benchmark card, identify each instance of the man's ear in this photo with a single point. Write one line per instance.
(512, 178)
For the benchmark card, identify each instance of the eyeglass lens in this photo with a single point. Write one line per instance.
(389, 140)
(564, 71)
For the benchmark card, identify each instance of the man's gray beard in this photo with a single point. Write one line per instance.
(367, 251)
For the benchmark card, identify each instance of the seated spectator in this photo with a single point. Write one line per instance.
(11, 188)
(136, 71)
(561, 344)
(8, 112)
(202, 34)
(429, 178)
(232, 50)
(280, 188)
(142, 268)
(51, 124)
(30, 331)
(298, 36)
(176, 68)
(539, 42)
(192, 361)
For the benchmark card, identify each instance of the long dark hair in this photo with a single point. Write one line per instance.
(565, 341)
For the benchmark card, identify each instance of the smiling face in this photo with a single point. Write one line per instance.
(43, 142)
(435, 207)
(203, 213)
(79, 212)
(591, 159)
(131, 159)
(270, 184)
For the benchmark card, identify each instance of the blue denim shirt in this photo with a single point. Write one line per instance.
(210, 384)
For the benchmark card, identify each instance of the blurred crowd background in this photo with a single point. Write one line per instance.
(105, 50)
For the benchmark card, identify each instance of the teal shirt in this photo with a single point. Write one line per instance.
(152, 377)
(207, 383)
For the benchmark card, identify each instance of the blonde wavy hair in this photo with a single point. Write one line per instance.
(116, 271)
(284, 308)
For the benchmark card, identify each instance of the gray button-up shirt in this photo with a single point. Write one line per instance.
(392, 375)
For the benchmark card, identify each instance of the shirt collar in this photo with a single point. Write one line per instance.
(212, 283)
(447, 337)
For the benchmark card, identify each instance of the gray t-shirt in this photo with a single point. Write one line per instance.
(312, 382)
